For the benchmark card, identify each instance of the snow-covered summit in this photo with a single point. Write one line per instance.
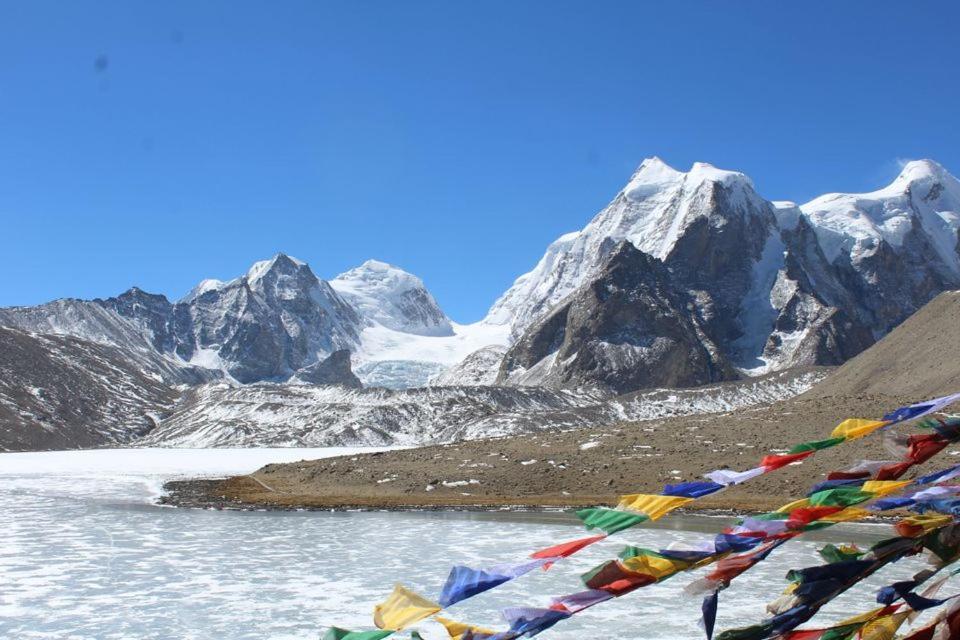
(280, 263)
(392, 297)
(922, 202)
(653, 212)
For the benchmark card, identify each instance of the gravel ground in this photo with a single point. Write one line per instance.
(571, 468)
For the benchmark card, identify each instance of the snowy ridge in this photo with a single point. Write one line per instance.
(924, 195)
(221, 415)
(649, 405)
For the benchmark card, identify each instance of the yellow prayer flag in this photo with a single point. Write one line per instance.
(884, 487)
(848, 514)
(402, 609)
(927, 523)
(856, 428)
(884, 628)
(796, 504)
(458, 629)
(654, 506)
(655, 566)
(863, 617)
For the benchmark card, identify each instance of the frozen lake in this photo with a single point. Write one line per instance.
(85, 553)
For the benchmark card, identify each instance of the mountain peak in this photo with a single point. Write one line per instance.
(279, 263)
(704, 171)
(653, 170)
(392, 297)
(921, 171)
(654, 176)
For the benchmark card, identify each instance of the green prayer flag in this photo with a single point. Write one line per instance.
(816, 445)
(610, 520)
(773, 515)
(840, 497)
(756, 632)
(633, 552)
(832, 553)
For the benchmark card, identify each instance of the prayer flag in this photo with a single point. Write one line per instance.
(402, 609)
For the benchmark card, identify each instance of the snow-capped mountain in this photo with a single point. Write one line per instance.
(393, 298)
(924, 198)
(265, 325)
(655, 211)
(626, 330)
(769, 285)
(896, 248)
(406, 339)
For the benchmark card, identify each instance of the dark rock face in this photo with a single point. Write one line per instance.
(715, 256)
(153, 312)
(334, 370)
(267, 324)
(626, 330)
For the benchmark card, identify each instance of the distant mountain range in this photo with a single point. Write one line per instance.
(684, 279)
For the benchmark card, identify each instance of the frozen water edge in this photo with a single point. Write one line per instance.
(155, 466)
(83, 557)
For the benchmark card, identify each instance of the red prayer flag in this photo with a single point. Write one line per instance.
(893, 471)
(806, 515)
(776, 461)
(565, 549)
(924, 447)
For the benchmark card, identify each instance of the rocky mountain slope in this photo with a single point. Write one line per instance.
(60, 392)
(766, 285)
(920, 357)
(626, 330)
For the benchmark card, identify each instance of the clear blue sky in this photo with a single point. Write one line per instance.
(159, 143)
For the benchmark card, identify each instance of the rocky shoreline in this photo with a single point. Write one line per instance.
(561, 470)
(227, 494)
